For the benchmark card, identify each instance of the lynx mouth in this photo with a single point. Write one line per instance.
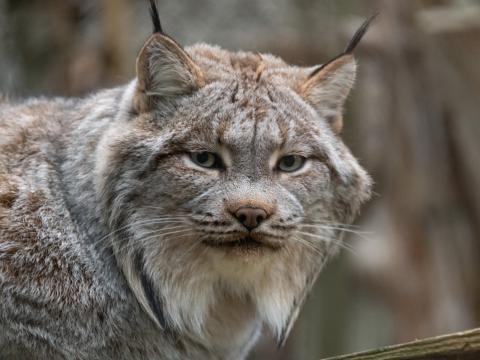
(244, 243)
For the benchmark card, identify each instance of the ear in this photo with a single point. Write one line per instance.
(164, 70)
(327, 89)
(328, 86)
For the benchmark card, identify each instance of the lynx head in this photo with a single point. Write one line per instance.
(224, 177)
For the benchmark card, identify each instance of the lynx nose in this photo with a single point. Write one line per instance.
(251, 217)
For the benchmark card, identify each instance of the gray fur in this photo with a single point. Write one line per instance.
(103, 217)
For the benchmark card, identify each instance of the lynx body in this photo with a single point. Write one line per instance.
(173, 217)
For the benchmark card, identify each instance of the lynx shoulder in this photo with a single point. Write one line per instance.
(178, 215)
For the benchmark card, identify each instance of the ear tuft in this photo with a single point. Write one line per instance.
(157, 25)
(327, 86)
(357, 37)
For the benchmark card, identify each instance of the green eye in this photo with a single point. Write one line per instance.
(291, 163)
(206, 159)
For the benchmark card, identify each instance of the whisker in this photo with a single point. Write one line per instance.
(361, 234)
(190, 249)
(160, 235)
(149, 239)
(162, 229)
(327, 222)
(163, 209)
(138, 223)
(308, 245)
(329, 240)
(180, 235)
(332, 224)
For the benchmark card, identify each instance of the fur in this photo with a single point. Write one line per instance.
(105, 221)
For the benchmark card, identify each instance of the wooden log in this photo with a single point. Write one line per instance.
(461, 346)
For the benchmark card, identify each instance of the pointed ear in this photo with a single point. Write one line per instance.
(326, 90)
(328, 86)
(164, 70)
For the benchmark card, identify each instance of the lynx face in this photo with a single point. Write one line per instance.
(225, 178)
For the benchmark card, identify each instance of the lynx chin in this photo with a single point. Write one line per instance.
(178, 215)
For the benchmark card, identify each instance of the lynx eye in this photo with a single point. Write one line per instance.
(291, 163)
(207, 160)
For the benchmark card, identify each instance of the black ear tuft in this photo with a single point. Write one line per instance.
(157, 25)
(351, 45)
(359, 34)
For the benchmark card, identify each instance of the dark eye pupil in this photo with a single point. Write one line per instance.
(289, 161)
(202, 157)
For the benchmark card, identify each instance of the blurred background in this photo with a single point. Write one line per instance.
(413, 120)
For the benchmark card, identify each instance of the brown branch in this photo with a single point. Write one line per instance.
(463, 345)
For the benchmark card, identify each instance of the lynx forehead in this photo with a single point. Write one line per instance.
(175, 216)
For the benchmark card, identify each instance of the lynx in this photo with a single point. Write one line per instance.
(177, 216)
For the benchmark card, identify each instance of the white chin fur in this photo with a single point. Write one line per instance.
(264, 285)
